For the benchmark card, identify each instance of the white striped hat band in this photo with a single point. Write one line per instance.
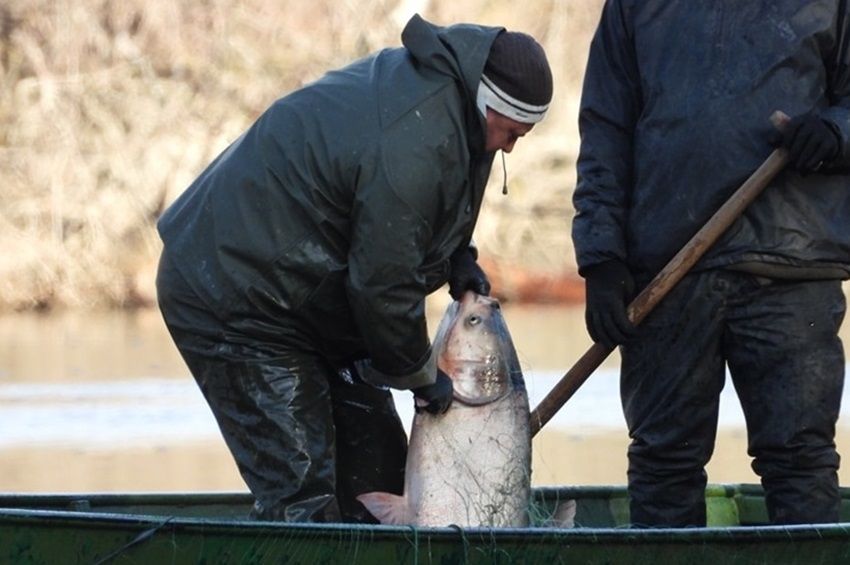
(490, 95)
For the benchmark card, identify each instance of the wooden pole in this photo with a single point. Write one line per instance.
(664, 281)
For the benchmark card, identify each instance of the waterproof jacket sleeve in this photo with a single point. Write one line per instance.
(395, 212)
(610, 107)
(837, 66)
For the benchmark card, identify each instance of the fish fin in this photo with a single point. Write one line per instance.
(386, 507)
(564, 515)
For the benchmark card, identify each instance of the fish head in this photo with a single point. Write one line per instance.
(475, 350)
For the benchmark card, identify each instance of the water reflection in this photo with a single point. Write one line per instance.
(110, 378)
(81, 346)
(96, 346)
(108, 395)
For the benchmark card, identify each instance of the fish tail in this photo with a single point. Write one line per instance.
(386, 507)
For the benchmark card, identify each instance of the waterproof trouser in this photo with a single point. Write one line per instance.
(786, 361)
(305, 439)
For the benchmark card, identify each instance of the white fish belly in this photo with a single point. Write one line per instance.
(472, 466)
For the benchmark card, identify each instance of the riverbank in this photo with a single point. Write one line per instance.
(110, 109)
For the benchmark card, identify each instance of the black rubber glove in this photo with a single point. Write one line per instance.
(609, 287)
(466, 275)
(810, 142)
(438, 396)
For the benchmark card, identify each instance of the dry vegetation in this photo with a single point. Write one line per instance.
(109, 108)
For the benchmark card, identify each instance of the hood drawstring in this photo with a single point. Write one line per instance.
(504, 176)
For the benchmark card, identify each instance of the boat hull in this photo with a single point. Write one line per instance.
(211, 528)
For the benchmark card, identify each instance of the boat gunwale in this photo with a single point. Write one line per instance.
(377, 532)
(80, 509)
(553, 492)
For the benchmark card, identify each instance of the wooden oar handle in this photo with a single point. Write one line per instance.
(688, 256)
(665, 280)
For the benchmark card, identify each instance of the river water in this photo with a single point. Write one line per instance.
(102, 401)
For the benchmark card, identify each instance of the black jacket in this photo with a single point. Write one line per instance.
(337, 211)
(675, 116)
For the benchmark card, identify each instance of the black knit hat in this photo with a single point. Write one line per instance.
(518, 77)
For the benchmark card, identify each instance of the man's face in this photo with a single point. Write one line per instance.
(502, 132)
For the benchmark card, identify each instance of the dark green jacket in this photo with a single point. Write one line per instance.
(337, 211)
(675, 116)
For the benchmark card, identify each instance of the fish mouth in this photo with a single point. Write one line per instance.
(476, 384)
(479, 400)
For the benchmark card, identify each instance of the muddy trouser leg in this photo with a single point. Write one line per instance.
(272, 405)
(672, 375)
(787, 364)
(275, 416)
(371, 445)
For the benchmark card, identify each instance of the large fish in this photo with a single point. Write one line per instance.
(472, 465)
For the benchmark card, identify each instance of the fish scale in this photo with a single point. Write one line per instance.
(472, 465)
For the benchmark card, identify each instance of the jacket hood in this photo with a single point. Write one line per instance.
(459, 50)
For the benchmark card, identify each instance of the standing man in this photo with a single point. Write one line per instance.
(295, 268)
(674, 117)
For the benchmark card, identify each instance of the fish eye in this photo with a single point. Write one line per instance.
(473, 320)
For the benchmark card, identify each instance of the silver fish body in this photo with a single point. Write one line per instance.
(472, 465)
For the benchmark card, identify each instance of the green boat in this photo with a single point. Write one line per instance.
(211, 528)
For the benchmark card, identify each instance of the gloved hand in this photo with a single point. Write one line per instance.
(465, 274)
(810, 141)
(609, 287)
(436, 397)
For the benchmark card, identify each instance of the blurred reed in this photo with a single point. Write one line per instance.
(109, 109)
